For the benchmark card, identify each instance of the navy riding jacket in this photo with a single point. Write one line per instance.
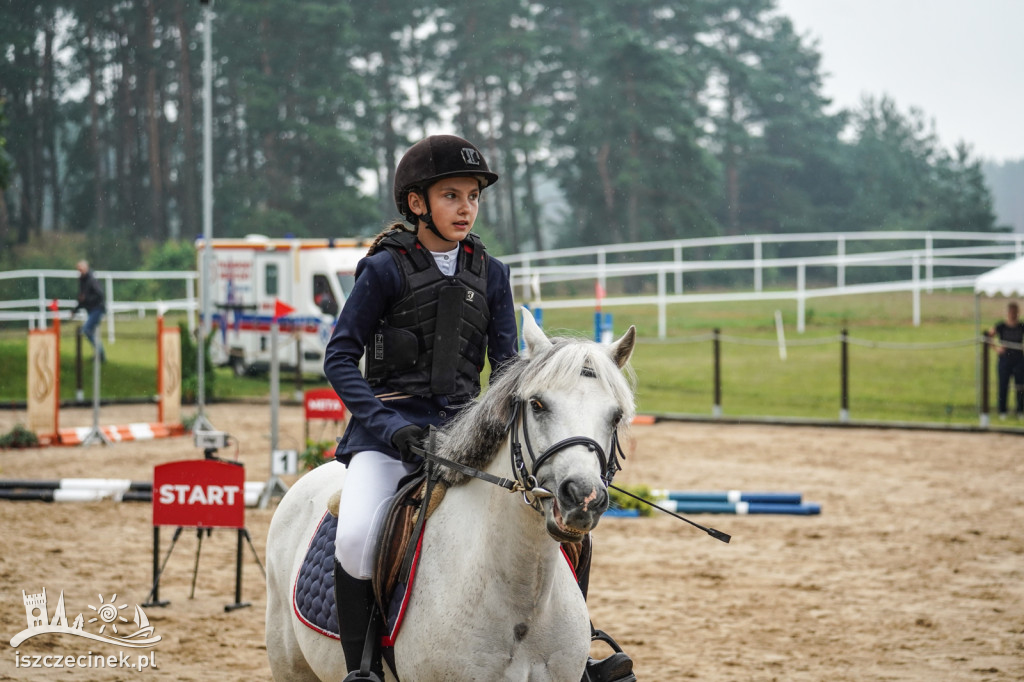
(376, 417)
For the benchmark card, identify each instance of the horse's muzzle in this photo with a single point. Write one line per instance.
(576, 508)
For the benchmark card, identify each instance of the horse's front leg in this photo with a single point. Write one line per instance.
(492, 606)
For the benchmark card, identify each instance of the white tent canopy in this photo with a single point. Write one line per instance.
(1006, 280)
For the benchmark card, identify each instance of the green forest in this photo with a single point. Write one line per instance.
(609, 120)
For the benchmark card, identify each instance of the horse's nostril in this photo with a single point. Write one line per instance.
(583, 494)
(571, 490)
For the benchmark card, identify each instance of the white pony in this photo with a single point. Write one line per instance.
(493, 598)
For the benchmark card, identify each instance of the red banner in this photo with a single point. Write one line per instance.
(324, 403)
(199, 492)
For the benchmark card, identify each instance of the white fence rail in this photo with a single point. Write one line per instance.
(664, 261)
(35, 311)
(530, 274)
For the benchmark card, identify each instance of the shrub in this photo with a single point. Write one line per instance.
(189, 375)
(620, 501)
(19, 437)
(315, 453)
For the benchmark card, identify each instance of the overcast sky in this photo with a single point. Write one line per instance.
(960, 61)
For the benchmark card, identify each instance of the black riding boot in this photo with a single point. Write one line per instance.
(615, 668)
(354, 598)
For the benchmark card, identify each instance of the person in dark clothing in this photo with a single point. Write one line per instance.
(90, 298)
(429, 306)
(1010, 335)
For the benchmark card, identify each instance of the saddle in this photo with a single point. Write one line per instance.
(395, 561)
(399, 545)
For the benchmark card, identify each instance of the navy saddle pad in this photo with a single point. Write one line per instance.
(313, 596)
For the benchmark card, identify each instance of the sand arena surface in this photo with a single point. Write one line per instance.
(913, 571)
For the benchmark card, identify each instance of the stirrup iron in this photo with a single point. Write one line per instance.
(615, 668)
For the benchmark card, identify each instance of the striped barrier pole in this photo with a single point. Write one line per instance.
(740, 508)
(728, 496)
(96, 489)
(125, 432)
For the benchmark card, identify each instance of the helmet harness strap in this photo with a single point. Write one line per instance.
(428, 218)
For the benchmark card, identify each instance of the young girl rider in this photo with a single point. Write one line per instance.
(428, 305)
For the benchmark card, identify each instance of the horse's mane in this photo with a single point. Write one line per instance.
(475, 435)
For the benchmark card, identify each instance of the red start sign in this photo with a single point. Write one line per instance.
(324, 403)
(199, 492)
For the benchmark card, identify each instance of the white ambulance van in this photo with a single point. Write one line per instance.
(250, 276)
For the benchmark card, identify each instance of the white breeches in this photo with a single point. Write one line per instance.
(371, 482)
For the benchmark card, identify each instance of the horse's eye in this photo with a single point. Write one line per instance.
(616, 419)
(536, 405)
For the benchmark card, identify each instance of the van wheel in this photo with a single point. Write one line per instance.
(238, 366)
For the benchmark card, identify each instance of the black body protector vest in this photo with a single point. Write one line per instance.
(434, 339)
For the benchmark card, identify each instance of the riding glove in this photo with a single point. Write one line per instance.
(408, 437)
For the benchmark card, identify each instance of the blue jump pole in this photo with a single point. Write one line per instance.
(740, 508)
(626, 513)
(728, 496)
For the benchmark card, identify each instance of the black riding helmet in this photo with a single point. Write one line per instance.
(429, 160)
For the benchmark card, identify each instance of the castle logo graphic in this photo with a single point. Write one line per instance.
(107, 618)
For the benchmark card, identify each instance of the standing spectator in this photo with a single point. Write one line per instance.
(1010, 335)
(90, 298)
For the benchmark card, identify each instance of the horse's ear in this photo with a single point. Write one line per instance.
(532, 334)
(622, 349)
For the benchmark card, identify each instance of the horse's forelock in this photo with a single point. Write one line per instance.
(568, 362)
(475, 435)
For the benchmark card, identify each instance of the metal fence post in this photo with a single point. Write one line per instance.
(662, 322)
(677, 257)
(758, 265)
(716, 344)
(917, 290)
(844, 377)
(841, 262)
(79, 391)
(298, 366)
(801, 286)
(986, 348)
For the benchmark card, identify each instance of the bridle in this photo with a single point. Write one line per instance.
(525, 480)
(526, 477)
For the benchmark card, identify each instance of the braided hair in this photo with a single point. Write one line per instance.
(387, 231)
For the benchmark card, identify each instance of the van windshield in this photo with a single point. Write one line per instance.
(347, 280)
